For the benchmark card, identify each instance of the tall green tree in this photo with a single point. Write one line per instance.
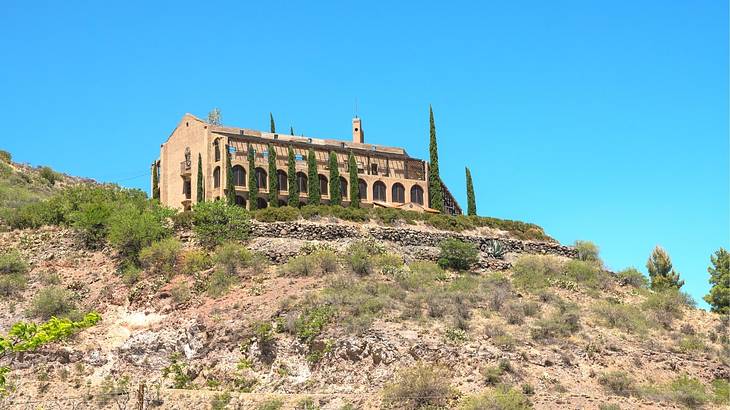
(273, 181)
(253, 186)
(470, 199)
(291, 130)
(272, 125)
(155, 181)
(315, 196)
(354, 183)
(230, 188)
(335, 194)
(199, 186)
(661, 273)
(435, 190)
(292, 179)
(719, 296)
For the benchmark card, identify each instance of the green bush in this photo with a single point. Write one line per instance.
(180, 293)
(358, 257)
(420, 386)
(311, 323)
(303, 265)
(688, 391)
(53, 301)
(618, 383)
(161, 258)
(49, 175)
(458, 255)
(215, 223)
(194, 261)
(531, 272)
(721, 388)
(665, 306)
(499, 398)
(131, 274)
(131, 228)
(92, 220)
(419, 275)
(5, 156)
(272, 404)
(632, 277)
(219, 282)
(562, 323)
(588, 252)
(182, 220)
(232, 256)
(275, 214)
(13, 269)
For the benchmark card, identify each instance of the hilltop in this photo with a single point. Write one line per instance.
(333, 308)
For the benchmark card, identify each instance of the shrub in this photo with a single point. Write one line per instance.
(358, 257)
(131, 229)
(274, 214)
(327, 260)
(586, 273)
(232, 256)
(183, 220)
(13, 269)
(632, 277)
(691, 344)
(219, 282)
(131, 274)
(220, 401)
(311, 323)
(303, 265)
(688, 391)
(273, 404)
(618, 383)
(501, 398)
(531, 272)
(388, 263)
(52, 301)
(5, 156)
(419, 386)
(215, 223)
(562, 323)
(620, 316)
(721, 388)
(458, 255)
(49, 175)
(588, 252)
(180, 293)
(492, 375)
(161, 257)
(418, 276)
(665, 306)
(194, 261)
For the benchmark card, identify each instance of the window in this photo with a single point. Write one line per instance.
(323, 186)
(239, 176)
(399, 193)
(417, 194)
(374, 169)
(281, 178)
(363, 188)
(302, 182)
(217, 177)
(240, 201)
(261, 203)
(217, 151)
(261, 178)
(343, 187)
(379, 191)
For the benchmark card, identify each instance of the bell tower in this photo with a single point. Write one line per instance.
(357, 135)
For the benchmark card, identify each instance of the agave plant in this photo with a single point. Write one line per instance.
(496, 249)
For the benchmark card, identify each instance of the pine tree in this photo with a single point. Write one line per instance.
(292, 180)
(291, 130)
(253, 186)
(272, 125)
(199, 187)
(470, 200)
(435, 191)
(335, 194)
(660, 270)
(354, 183)
(719, 296)
(273, 181)
(315, 196)
(155, 182)
(230, 188)
(214, 117)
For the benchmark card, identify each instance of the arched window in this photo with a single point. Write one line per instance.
(399, 193)
(240, 201)
(343, 187)
(261, 178)
(379, 191)
(283, 182)
(363, 188)
(302, 182)
(239, 176)
(217, 177)
(323, 185)
(417, 194)
(261, 203)
(217, 150)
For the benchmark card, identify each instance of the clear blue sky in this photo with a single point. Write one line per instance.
(605, 121)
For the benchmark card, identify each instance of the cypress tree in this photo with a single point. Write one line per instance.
(292, 180)
(230, 188)
(315, 196)
(155, 182)
(291, 130)
(354, 183)
(660, 270)
(272, 125)
(435, 192)
(253, 186)
(719, 296)
(470, 199)
(201, 190)
(273, 181)
(335, 194)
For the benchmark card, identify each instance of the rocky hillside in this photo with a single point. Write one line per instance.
(333, 314)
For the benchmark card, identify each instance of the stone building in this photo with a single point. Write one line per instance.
(387, 176)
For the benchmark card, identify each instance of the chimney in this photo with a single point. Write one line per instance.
(357, 134)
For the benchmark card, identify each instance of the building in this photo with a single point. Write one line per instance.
(387, 176)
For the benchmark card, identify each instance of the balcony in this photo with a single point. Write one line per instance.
(185, 168)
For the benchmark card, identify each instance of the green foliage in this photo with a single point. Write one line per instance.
(199, 186)
(3, 370)
(26, 336)
(632, 277)
(688, 391)
(220, 401)
(180, 293)
(219, 282)
(719, 296)
(273, 214)
(499, 398)
(721, 389)
(660, 270)
(13, 269)
(537, 272)
(194, 261)
(272, 404)
(132, 228)
(230, 191)
(691, 343)
(470, 198)
(131, 274)
(110, 388)
(161, 258)
(182, 221)
(354, 182)
(253, 185)
(215, 223)
(272, 124)
(311, 323)
(49, 175)
(273, 178)
(418, 387)
(232, 256)
(178, 370)
(358, 257)
(314, 195)
(335, 194)
(53, 301)
(665, 306)
(292, 179)
(458, 255)
(435, 190)
(588, 251)
(621, 316)
(562, 323)
(5, 156)
(155, 181)
(618, 383)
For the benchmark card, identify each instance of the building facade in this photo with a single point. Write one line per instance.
(387, 176)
